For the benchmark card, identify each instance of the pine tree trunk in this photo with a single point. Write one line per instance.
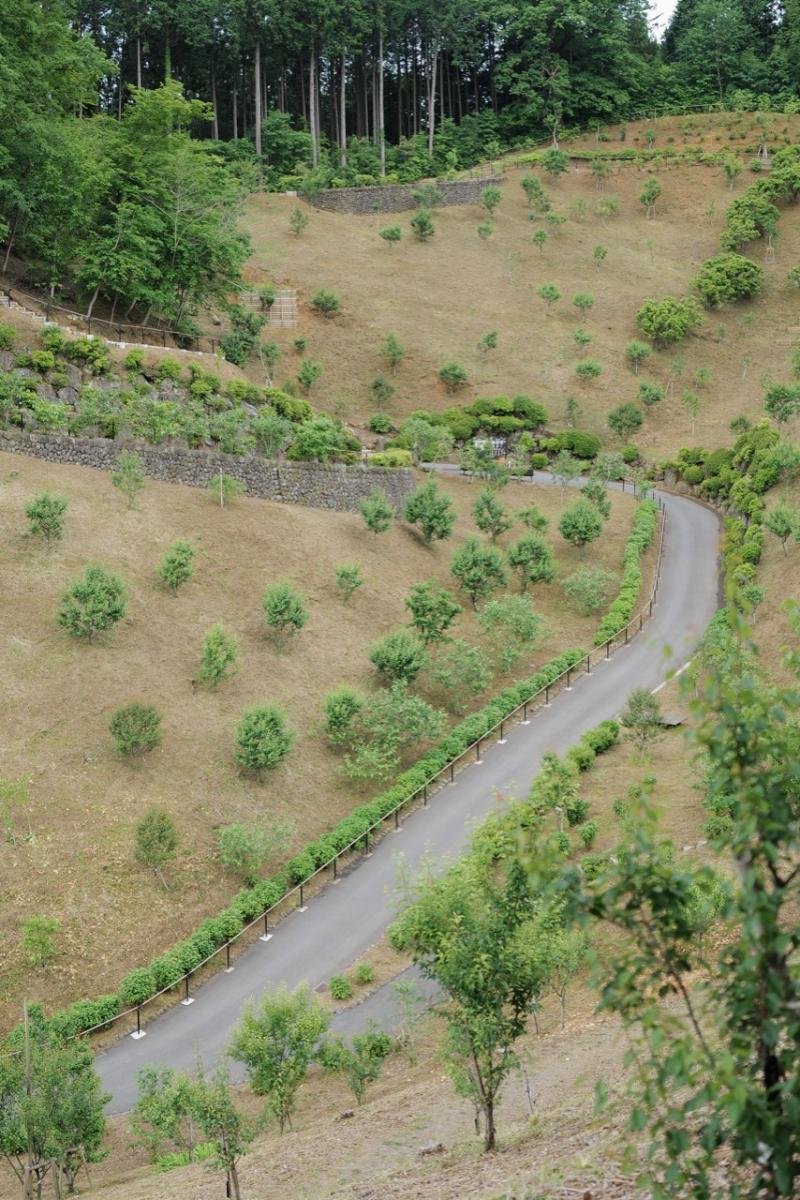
(430, 83)
(312, 107)
(167, 58)
(235, 115)
(343, 114)
(380, 126)
(138, 61)
(213, 80)
(257, 95)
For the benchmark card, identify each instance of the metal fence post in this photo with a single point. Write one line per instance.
(302, 906)
(502, 739)
(478, 751)
(589, 663)
(547, 696)
(608, 648)
(452, 772)
(266, 935)
(396, 819)
(187, 999)
(525, 718)
(569, 679)
(228, 966)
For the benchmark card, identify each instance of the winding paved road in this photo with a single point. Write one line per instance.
(348, 918)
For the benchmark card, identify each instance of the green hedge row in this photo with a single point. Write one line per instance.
(166, 970)
(497, 836)
(645, 523)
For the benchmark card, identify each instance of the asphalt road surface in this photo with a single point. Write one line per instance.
(347, 918)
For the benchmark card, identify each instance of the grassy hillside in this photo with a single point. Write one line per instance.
(59, 696)
(439, 298)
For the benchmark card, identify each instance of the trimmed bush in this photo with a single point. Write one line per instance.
(137, 986)
(340, 987)
(726, 279)
(136, 729)
(262, 738)
(93, 604)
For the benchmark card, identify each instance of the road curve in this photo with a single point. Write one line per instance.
(344, 921)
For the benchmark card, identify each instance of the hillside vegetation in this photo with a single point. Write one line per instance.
(441, 297)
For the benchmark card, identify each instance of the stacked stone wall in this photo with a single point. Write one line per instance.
(398, 197)
(337, 487)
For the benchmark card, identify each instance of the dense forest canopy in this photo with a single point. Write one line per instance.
(131, 130)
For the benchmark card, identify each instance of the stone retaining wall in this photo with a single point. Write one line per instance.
(397, 197)
(336, 487)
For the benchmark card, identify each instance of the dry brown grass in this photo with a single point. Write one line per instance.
(439, 298)
(58, 696)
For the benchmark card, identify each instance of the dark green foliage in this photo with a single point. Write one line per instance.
(422, 225)
(136, 729)
(532, 560)
(377, 512)
(399, 656)
(581, 524)
(581, 444)
(645, 524)
(46, 515)
(155, 844)
(478, 569)
(431, 511)
(322, 439)
(453, 376)
(669, 320)
(490, 515)
(391, 234)
(239, 344)
(624, 420)
(726, 279)
(326, 303)
(262, 738)
(218, 656)
(285, 613)
(92, 604)
(177, 565)
(433, 610)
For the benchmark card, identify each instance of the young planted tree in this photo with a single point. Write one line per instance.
(92, 604)
(136, 729)
(691, 402)
(533, 518)
(431, 511)
(641, 717)
(539, 239)
(225, 488)
(53, 1106)
(650, 394)
(599, 254)
(218, 656)
(360, 1060)
(285, 614)
(277, 1040)
(271, 432)
(590, 588)
(377, 512)
(782, 402)
(177, 565)
(461, 670)
(649, 195)
(625, 420)
(490, 515)
(298, 221)
(262, 738)
(581, 524)
(155, 841)
(783, 521)
(386, 724)
(326, 303)
(391, 234)
(129, 476)
(453, 376)
(394, 352)
(488, 342)
(490, 198)
(222, 1125)
(565, 469)
(478, 569)
(532, 560)
(597, 494)
(636, 352)
(46, 516)
(488, 973)
(433, 610)
(512, 626)
(717, 1075)
(380, 390)
(422, 225)
(584, 302)
(348, 580)
(549, 293)
(309, 373)
(246, 849)
(399, 656)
